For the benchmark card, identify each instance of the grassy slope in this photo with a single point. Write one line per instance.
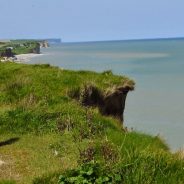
(52, 129)
(20, 46)
(28, 46)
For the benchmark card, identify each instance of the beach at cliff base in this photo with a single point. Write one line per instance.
(21, 58)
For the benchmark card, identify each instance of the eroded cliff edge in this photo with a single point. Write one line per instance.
(110, 101)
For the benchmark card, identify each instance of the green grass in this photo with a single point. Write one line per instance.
(20, 46)
(26, 47)
(54, 135)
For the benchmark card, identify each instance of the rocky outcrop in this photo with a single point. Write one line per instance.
(110, 103)
(44, 44)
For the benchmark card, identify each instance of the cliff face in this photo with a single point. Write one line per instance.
(44, 44)
(36, 49)
(110, 103)
(114, 102)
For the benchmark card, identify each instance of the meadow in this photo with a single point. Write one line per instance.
(47, 136)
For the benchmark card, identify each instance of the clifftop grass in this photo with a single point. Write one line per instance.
(20, 47)
(44, 132)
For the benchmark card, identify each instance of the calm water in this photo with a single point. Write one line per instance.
(157, 66)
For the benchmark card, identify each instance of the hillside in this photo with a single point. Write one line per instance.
(15, 47)
(48, 136)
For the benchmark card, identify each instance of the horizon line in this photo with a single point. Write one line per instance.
(91, 41)
(131, 39)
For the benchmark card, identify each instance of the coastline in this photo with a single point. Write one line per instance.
(22, 58)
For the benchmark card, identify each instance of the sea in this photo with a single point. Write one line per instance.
(156, 106)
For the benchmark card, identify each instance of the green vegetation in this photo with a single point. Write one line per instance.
(48, 137)
(20, 47)
(24, 47)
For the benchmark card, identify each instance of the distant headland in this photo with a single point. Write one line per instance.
(54, 40)
(9, 49)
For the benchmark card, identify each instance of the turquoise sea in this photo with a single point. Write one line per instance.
(157, 104)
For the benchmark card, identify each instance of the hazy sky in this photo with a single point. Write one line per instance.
(84, 20)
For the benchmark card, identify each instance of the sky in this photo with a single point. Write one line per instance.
(91, 20)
